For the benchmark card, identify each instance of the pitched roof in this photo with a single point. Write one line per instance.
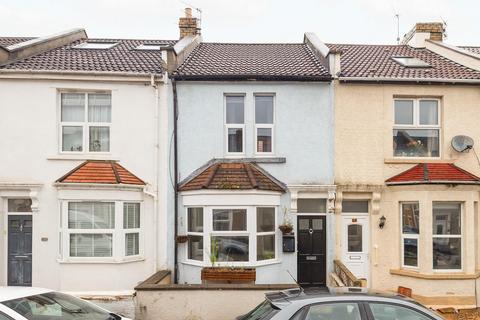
(471, 49)
(122, 58)
(104, 172)
(375, 62)
(434, 173)
(232, 176)
(236, 61)
(8, 41)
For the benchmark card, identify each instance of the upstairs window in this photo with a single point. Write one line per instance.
(85, 122)
(264, 124)
(416, 131)
(235, 124)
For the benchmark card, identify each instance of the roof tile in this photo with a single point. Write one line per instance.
(434, 173)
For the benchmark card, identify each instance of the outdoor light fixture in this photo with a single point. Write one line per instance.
(381, 224)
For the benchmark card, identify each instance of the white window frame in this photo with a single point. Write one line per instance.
(267, 233)
(193, 233)
(417, 126)
(404, 236)
(263, 125)
(118, 235)
(85, 124)
(234, 125)
(452, 236)
(251, 232)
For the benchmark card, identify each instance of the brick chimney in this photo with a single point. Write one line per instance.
(188, 25)
(422, 31)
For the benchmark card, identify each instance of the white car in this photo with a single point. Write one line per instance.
(26, 303)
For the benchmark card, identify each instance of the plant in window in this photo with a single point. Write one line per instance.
(214, 251)
(286, 227)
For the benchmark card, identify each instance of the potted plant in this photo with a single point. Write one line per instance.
(286, 227)
(182, 238)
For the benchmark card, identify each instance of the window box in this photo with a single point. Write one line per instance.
(228, 275)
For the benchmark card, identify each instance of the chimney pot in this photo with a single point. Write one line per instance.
(188, 12)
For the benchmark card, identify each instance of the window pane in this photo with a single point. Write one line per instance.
(99, 139)
(340, 310)
(429, 112)
(19, 205)
(91, 215)
(91, 245)
(72, 138)
(355, 238)
(382, 311)
(446, 218)
(231, 248)
(264, 140)
(265, 219)
(410, 218)
(132, 244)
(311, 205)
(235, 140)
(266, 247)
(235, 109)
(229, 220)
(99, 107)
(416, 143)
(73, 107)
(131, 215)
(195, 247)
(263, 109)
(447, 253)
(410, 252)
(195, 219)
(403, 111)
(355, 206)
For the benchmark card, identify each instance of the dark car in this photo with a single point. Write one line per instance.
(338, 304)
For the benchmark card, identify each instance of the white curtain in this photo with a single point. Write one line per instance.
(73, 107)
(99, 107)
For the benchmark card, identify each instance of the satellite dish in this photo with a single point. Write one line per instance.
(462, 143)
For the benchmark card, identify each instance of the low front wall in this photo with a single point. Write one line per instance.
(199, 302)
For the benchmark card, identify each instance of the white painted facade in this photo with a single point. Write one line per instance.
(302, 148)
(31, 161)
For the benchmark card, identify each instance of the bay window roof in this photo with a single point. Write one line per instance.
(232, 176)
(434, 173)
(99, 171)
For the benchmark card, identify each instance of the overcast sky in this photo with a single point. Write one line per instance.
(335, 21)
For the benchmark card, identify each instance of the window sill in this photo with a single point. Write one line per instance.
(100, 261)
(435, 276)
(415, 160)
(229, 264)
(83, 156)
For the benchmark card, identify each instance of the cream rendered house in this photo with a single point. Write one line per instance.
(407, 202)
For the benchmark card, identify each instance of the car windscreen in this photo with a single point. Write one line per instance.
(55, 305)
(263, 311)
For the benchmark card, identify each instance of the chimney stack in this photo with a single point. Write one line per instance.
(422, 31)
(188, 25)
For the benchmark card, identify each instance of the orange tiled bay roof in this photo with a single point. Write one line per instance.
(434, 173)
(232, 176)
(105, 172)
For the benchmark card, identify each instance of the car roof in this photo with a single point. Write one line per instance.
(10, 293)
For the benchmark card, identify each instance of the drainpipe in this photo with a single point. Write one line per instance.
(156, 173)
(175, 172)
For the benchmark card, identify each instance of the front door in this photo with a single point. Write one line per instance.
(355, 244)
(20, 250)
(311, 252)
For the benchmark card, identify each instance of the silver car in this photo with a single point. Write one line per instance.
(338, 304)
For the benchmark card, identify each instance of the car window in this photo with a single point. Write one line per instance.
(384, 311)
(55, 305)
(263, 311)
(334, 311)
(3, 316)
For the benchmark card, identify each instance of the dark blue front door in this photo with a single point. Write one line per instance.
(20, 250)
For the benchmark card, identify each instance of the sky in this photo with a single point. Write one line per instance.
(334, 21)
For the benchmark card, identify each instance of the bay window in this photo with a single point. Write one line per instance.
(85, 120)
(99, 230)
(241, 236)
(235, 123)
(416, 131)
(264, 123)
(410, 224)
(447, 235)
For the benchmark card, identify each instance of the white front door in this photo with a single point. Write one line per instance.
(356, 245)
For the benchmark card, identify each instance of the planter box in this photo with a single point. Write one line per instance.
(228, 274)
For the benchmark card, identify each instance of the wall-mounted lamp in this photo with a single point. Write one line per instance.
(382, 221)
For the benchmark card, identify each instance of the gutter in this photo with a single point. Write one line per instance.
(175, 183)
(50, 73)
(407, 80)
(252, 77)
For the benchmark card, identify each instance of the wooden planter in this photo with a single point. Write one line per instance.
(228, 274)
